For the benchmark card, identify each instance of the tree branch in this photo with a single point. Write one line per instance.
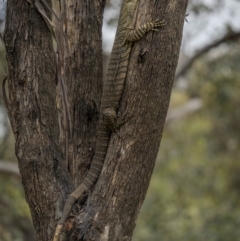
(232, 36)
(9, 168)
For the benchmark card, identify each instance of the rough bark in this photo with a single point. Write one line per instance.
(32, 111)
(112, 208)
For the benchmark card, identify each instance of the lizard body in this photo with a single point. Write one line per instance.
(112, 92)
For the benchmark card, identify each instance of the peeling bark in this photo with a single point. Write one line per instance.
(84, 80)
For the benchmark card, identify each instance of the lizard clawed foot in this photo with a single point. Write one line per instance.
(153, 25)
(157, 24)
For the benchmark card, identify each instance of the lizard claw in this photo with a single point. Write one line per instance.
(159, 23)
(154, 25)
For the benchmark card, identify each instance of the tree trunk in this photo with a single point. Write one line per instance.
(48, 172)
(114, 204)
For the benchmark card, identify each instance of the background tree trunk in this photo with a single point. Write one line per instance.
(111, 209)
(84, 80)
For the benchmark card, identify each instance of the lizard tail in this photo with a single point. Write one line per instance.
(67, 209)
(88, 182)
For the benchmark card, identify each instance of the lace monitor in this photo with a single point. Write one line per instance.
(113, 87)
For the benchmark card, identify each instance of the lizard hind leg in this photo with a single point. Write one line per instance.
(112, 120)
(109, 118)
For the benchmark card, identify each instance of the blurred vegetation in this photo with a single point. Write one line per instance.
(195, 188)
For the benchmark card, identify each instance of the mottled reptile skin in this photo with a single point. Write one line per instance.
(112, 92)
